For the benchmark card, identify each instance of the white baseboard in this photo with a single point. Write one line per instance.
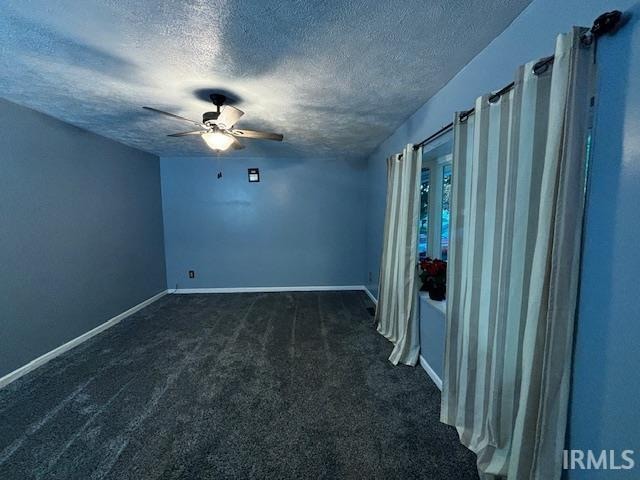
(269, 289)
(373, 299)
(432, 374)
(41, 360)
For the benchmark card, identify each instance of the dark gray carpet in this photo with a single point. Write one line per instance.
(279, 385)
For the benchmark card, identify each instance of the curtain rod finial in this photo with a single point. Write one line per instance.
(608, 22)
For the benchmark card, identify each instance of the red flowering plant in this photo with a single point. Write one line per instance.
(434, 277)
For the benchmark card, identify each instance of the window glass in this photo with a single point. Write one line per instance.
(424, 213)
(446, 196)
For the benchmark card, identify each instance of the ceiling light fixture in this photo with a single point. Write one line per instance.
(218, 141)
(217, 127)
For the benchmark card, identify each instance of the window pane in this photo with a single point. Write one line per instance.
(446, 195)
(424, 214)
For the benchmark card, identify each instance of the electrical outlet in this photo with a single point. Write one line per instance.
(192, 274)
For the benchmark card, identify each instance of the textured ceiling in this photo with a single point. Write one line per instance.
(336, 77)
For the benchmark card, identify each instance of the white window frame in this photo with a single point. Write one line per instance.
(436, 171)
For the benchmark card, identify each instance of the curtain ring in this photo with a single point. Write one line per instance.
(463, 116)
(586, 39)
(542, 66)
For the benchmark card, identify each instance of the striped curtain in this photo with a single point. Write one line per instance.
(397, 312)
(518, 202)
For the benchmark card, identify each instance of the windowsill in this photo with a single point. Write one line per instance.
(440, 306)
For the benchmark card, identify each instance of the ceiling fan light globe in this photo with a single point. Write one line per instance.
(218, 141)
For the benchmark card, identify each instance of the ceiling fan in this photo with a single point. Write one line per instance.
(216, 128)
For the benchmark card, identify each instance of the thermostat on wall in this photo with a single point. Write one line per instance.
(254, 175)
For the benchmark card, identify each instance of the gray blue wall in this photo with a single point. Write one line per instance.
(432, 334)
(302, 225)
(604, 413)
(80, 232)
(606, 382)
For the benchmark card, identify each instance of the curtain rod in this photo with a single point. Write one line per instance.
(538, 68)
(608, 22)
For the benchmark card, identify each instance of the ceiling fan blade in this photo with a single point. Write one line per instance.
(174, 116)
(255, 134)
(184, 134)
(236, 145)
(229, 116)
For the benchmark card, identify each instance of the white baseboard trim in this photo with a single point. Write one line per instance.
(322, 288)
(373, 299)
(432, 374)
(41, 360)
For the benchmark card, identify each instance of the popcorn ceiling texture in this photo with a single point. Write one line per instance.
(335, 77)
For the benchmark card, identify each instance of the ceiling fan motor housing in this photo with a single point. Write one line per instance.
(209, 117)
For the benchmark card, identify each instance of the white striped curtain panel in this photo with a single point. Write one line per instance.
(518, 202)
(397, 312)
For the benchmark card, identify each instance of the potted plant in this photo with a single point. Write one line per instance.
(434, 277)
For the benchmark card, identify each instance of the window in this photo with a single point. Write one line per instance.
(423, 241)
(444, 217)
(435, 198)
